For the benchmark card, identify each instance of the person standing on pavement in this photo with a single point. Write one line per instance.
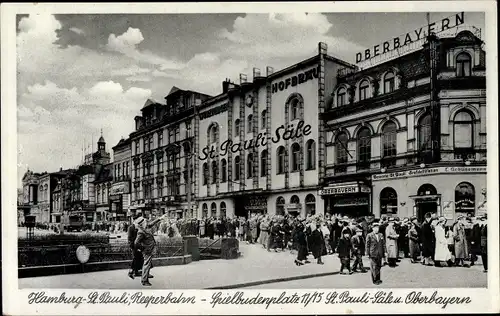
(428, 241)
(301, 242)
(358, 250)
(442, 254)
(317, 242)
(137, 259)
(414, 242)
(484, 242)
(375, 248)
(145, 242)
(475, 241)
(459, 237)
(391, 243)
(344, 249)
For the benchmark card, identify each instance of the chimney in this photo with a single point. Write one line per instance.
(256, 73)
(225, 85)
(269, 70)
(243, 78)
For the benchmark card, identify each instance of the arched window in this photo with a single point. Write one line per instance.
(294, 109)
(424, 138)
(341, 148)
(205, 210)
(462, 130)
(263, 163)
(465, 198)
(295, 157)
(310, 204)
(363, 90)
(389, 82)
(214, 171)
(280, 206)
(205, 173)
(388, 201)
(263, 119)
(237, 127)
(427, 189)
(213, 209)
(294, 199)
(99, 194)
(249, 123)
(237, 167)
(389, 131)
(212, 134)
(341, 96)
(223, 171)
(223, 209)
(280, 155)
(463, 62)
(364, 148)
(249, 166)
(310, 155)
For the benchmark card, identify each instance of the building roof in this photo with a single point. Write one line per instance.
(149, 102)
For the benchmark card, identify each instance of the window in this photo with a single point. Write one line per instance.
(205, 173)
(160, 138)
(427, 189)
(363, 90)
(213, 209)
(214, 171)
(237, 127)
(341, 97)
(280, 206)
(388, 201)
(171, 135)
(160, 164)
(146, 144)
(294, 199)
(389, 82)
(223, 175)
(310, 155)
(341, 148)
(364, 148)
(212, 134)
(263, 163)
(465, 198)
(249, 166)
(99, 195)
(137, 147)
(462, 130)
(250, 123)
(127, 170)
(310, 204)
(295, 157)
(151, 146)
(463, 65)
(188, 129)
(205, 210)
(294, 109)
(136, 171)
(263, 119)
(280, 153)
(223, 209)
(389, 131)
(237, 167)
(148, 191)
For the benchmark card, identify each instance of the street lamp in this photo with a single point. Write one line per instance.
(467, 162)
(422, 165)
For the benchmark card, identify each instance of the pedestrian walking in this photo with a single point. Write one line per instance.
(358, 250)
(317, 242)
(375, 248)
(145, 242)
(137, 258)
(391, 243)
(344, 249)
(459, 236)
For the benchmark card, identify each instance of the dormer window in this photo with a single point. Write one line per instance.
(389, 82)
(463, 65)
(341, 97)
(363, 90)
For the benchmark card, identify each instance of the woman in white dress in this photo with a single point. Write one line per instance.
(442, 253)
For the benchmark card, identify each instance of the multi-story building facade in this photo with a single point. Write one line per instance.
(161, 145)
(119, 194)
(261, 144)
(102, 187)
(408, 136)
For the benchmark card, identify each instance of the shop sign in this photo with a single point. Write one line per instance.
(430, 171)
(345, 189)
(295, 80)
(293, 206)
(256, 203)
(119, 188)
(361, 201)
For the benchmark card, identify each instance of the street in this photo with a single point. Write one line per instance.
(260, 269)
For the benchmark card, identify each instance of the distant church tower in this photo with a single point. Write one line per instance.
(101, 157)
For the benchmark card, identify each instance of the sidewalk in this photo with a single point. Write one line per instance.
(256, 267)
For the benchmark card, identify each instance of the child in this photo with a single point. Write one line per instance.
(344, 251)
(358, 250)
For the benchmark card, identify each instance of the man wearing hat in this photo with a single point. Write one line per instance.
(137, 259)
(358, 250)
(375, 249)
(391, 243)
(460, 239)
(484, 241)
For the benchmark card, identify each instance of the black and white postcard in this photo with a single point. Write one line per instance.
(249, 158)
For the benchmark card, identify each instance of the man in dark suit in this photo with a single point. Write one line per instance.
(428, 241)
(317, 242)
(375, 248)
(137, 258)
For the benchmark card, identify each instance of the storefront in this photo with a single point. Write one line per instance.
(119, 200)
(250, 205)
(347, 199)
(447, 191)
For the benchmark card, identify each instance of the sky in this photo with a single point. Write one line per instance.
(80, 74)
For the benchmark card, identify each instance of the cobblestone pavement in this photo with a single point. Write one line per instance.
(258, 268)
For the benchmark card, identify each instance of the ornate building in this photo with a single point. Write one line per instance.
(119, 194)
(408, 136)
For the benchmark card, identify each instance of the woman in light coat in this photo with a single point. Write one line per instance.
(442, 254)
(264, 232)
(460, 239)
(391, 243)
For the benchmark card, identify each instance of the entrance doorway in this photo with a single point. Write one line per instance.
(425, 206)
(427, 200)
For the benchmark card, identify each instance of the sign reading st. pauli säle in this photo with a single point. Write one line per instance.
(410, 37)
